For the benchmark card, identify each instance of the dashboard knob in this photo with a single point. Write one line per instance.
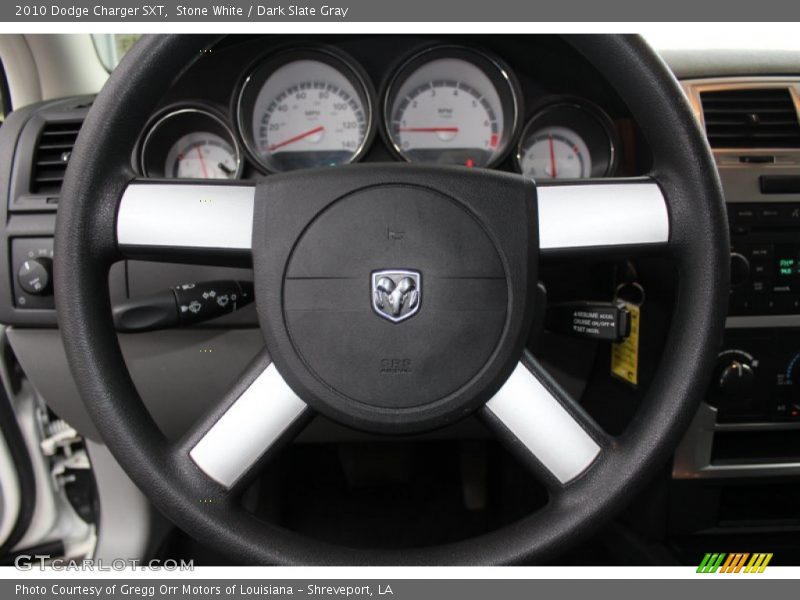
(35, 276)
(740, 269)
(736, 379)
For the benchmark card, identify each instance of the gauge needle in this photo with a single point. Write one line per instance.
(553, 168)
(225, 169)
(202, 162)
(296, 138)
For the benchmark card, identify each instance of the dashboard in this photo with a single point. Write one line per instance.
(253, 107)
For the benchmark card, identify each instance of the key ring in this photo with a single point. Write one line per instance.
(636, 287)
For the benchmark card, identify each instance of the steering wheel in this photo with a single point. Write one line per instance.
(390, 334)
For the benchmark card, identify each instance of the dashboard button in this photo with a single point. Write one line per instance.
(761, 252)
(35, 276)
(742, 215)
(781, 305)
(760, 269)
(769, 214)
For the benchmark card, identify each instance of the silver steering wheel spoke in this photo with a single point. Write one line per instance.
(593, 215)
(543, 426)
(201, 222)
(186, 221)
(259, 416)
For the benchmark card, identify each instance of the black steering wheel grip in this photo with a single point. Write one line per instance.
(105, 216)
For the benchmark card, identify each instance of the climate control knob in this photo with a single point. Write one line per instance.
(35, 276)
(736, 379)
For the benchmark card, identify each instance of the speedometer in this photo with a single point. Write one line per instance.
(451, 105)
(307, 108)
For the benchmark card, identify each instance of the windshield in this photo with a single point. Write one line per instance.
(732, 39)
(111, 47)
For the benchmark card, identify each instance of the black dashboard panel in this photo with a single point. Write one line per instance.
(546, 69)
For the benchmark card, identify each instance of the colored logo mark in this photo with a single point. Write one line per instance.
(736, 562)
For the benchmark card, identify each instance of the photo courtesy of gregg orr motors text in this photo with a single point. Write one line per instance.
(186, 589)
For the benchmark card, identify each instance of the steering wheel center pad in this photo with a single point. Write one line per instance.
(395, 299)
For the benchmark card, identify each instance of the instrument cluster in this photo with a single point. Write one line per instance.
(315, 106)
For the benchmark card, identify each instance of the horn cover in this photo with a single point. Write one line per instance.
(395, 300)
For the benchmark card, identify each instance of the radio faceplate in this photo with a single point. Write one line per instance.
(765, 263)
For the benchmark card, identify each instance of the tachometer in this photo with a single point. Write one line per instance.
(307, 108)
(451, 105)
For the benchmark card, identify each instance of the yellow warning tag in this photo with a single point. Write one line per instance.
(625, 354)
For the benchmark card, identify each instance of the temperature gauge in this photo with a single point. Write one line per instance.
(201, 155)
(191, 143)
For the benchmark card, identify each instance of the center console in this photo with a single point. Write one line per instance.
(748, 424)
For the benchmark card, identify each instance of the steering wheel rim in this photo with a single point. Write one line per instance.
(87, 244)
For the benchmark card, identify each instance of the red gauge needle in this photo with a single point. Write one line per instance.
(553, 168)
(429, 129)
(296, 138)
(202, 162)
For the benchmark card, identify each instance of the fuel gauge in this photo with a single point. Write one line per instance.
(555, 153)
(201, 155)
(568, 140)
(191, 143)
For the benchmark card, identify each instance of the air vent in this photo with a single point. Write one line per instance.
(53, 150)
(758, 118)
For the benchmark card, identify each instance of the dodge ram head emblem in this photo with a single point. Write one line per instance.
(396, 294)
